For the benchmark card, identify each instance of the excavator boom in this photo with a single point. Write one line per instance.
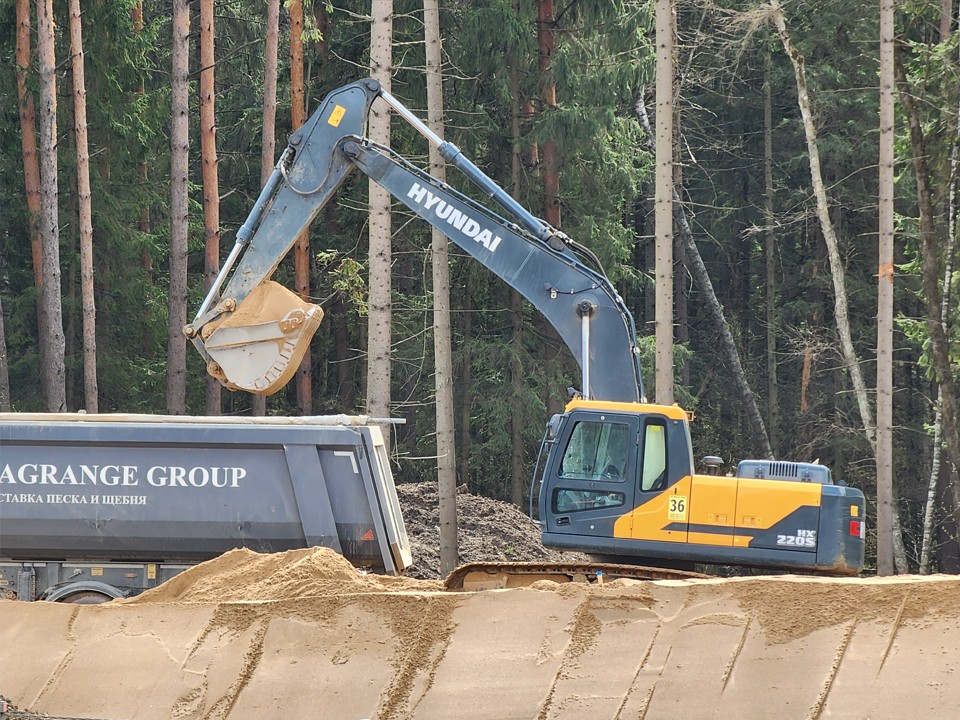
(254, 332)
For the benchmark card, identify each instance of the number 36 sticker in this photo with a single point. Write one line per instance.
(677, 507)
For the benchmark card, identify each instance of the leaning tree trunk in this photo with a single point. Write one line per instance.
(52, 371)
(208, 163)
(88, 303)
(179, 170)
(702, 278)
(829, 235)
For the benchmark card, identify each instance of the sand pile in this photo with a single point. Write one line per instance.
(244, 575)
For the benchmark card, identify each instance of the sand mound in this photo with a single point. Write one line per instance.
(247, 576)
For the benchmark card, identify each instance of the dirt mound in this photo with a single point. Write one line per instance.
(246, 576)
(489, 530)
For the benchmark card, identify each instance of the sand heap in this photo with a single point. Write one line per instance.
(246, 576)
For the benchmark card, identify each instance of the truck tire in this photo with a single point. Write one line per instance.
(82, 593)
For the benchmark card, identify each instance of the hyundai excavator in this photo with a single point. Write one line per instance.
(618, 480)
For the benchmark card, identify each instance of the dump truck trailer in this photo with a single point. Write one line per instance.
(96, 507)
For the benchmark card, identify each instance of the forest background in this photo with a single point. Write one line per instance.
(742, 173)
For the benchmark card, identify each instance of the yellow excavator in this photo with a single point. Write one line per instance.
(617, 478)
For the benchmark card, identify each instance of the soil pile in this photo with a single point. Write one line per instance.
(246, 576)
(489, 530)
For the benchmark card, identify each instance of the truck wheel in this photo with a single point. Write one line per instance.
(82, 593)
(86, 597)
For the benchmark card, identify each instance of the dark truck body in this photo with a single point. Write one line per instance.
(100, 506)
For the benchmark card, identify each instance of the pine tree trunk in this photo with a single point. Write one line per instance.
(884, 447)
(31, 165)
(929, 510)
(143, 224)
(380, 256)
(663, 205)
(208, 163)
(52, 371)
(179, 177)
(466, 379)
(268, 148)
(301, 252)
(88, 302)
(932, 298)
(4, 367)
(517, 379)
(770, 248)
(443, 355)
(550, 175)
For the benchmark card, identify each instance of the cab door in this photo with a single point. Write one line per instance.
(590, 480)
(662, 500)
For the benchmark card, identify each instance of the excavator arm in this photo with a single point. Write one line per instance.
(254, 332)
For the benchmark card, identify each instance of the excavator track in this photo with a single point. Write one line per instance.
(496, 575)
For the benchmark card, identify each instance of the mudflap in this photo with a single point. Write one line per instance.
(258, 347)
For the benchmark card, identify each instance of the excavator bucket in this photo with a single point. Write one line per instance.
(258, 347)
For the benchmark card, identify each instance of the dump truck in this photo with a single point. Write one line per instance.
(617, 478)
(98, 507)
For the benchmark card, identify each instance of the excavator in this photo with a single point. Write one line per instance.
(617, 479)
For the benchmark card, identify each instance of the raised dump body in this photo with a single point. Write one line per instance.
(94, 507)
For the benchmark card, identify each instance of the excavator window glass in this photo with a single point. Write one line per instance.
(654, 471)
(596, 451)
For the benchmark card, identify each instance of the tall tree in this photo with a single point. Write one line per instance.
(381, 255)
(4, 367)
(663, 202)
(549, 156)
(770, 246)
(443, 355)
(932, 297)
(52, 371)
(268, 145)
(208, 161)
(31, 163)
(179, 221)
(88, 303)
(884, 446)
(301, 251)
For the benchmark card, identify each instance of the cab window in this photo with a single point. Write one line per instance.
(654, 473)
(596, 451)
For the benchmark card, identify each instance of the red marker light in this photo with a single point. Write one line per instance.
(856, 528)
